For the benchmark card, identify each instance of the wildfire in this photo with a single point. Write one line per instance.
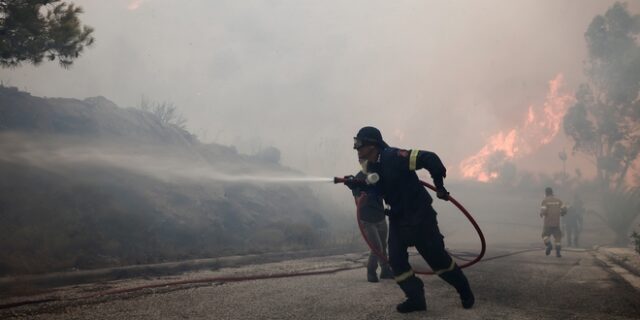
(539, 127)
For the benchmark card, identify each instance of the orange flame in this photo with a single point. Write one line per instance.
(540, 126)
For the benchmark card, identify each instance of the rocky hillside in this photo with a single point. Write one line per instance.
(86, 184)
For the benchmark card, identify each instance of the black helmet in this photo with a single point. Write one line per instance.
(369, 136)
(548, 191)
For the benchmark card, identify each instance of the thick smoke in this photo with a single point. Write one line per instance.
(304, 77)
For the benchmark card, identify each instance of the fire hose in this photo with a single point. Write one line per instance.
(265, 276)
(455, 202)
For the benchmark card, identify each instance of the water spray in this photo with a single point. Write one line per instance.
(267, 179)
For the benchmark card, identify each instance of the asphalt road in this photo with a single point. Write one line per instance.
(523, 286)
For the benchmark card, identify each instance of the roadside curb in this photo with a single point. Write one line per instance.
(623, 261)
(625, 257)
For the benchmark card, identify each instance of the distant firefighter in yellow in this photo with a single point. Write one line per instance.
(551, 210)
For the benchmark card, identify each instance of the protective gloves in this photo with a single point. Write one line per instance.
(442, 193)
(352, 183)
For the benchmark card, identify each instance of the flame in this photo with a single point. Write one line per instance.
(540, 126)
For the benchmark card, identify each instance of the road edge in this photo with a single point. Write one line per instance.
(617, 263)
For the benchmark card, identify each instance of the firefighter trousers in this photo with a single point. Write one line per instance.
(425, 236)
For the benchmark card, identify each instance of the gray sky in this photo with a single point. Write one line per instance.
(304, 76)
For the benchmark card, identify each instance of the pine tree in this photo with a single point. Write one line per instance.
(34, 30)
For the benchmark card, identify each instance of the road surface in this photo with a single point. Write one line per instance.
(528, 285)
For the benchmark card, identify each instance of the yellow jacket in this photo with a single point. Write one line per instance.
(551, 209)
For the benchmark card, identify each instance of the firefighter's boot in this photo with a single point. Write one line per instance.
(386, 273)
(458, 280)
(547, 250)
(558, 248)
(372, 267)
(414, 291)
(372, 276)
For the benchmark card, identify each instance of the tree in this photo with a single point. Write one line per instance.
(166, 111)
(621, 210)
(562, 155)
(604, 123)
(636, 241)
(32, 30)
(269, 155)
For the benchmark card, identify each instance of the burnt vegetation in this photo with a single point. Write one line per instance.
(79, 214)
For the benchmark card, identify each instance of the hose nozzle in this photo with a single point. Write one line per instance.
(337, 180)
(371, 179)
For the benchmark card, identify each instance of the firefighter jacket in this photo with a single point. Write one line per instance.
(399, 184)
(551, 209)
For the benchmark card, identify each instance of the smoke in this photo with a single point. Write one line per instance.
(160, 162)
(305, 77)
(472, 81)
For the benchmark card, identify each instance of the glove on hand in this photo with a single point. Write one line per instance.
(442, 193)
(352, 183)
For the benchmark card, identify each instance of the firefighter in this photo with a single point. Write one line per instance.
(551, 210)
(412, 219)
(372, 218)
(573, 221)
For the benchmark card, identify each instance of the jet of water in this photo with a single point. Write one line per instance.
(267, 179)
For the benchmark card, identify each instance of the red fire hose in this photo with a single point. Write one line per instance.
(455, 202)
(270, 276)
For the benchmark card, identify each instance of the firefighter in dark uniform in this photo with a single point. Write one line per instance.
(573, 221)
(412, 219)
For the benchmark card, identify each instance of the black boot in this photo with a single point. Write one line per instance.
(414, 290)
(458, 280)
(547, 251)
(385, 272)
(468, 300)
(372, 277)
(558, 247)
(372, 267)
(411, 306)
